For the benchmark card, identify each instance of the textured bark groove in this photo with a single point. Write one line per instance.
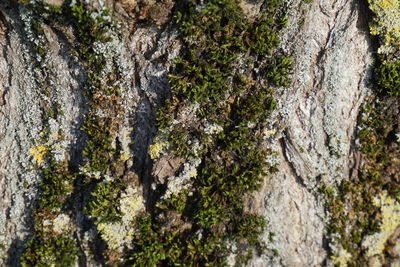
(318, 117)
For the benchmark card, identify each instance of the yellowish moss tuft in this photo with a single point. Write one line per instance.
(390, 209)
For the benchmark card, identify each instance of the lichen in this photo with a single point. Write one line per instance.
(184, 180)
(124, 156)
(268, 133)
(390, 209)
(386, 23)
(156, 149)
(365, 212)
(119, 234)
(342, 258)
(48, 142)
(213, 128)
(59, 225)
(38, 153)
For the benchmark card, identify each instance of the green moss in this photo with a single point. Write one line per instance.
(98, 149)
(56, 185)
(177, 203)
(216, 73)
(250, 226)
(104, 206)
(229, 95)
(58, 251)
(388, 74)
(173, 249)
(58, 182)
(88, 30)
(151, 249)
(279, 71)
(38, 31)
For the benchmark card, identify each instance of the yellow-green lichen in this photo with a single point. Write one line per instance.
(386, 23)
(124, 156)
(156, 149)
(341, 258)
(59, 225)
(38, 153)
(45, 143)
(120, 233)
(390, 209)
(269, 133)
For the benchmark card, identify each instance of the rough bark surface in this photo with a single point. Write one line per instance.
(314, 124)
(318, 116)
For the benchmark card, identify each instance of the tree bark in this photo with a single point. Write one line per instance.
(312, 131)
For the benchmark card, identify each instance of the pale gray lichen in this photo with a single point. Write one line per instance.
(231, 259)
(341, 258)
(120, 234)
(390, 208)
(125, 139)
(177, 184)
(213, 128)
(59, 225)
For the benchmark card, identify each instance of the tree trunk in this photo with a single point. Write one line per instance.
(45, 103)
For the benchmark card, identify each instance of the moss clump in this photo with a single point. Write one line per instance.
(215, 83)
(58, 251)
(172, 248)
(104, 206)
(231, 104)
(388, 76)
(60, 181)
(98, 150)
(55, 187)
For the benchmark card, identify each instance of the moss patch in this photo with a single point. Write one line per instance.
(56, 251)
(48, 247)
(214, 119)
(215, 82)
